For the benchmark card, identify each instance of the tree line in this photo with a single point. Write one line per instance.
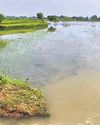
(53, 18)
(74, 18)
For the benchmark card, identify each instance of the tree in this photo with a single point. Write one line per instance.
(98, 18)
(53, 18)
(87, 19)
(2, 17)
(40, 16)
(94, 18)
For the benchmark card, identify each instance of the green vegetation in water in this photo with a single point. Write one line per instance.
(3, 43)
(10, 26)
(51, 29)
(18, 99)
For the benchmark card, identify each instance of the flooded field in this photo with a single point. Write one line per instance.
(65, 64)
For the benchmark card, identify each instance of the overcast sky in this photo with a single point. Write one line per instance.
(55, 7)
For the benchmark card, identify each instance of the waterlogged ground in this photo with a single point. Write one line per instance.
(65, 64)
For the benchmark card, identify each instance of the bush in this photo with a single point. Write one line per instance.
(51, 29)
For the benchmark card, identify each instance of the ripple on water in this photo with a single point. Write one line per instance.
(67, 64)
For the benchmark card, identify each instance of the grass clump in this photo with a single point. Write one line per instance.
(3, 43)
(51, 29)
(18, 99)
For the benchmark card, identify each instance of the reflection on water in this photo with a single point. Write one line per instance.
(66, 63)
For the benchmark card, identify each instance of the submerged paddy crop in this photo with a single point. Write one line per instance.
(3, 43)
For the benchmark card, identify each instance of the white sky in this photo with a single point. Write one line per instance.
(55, 7)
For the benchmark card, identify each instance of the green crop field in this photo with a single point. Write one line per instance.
(10, 26)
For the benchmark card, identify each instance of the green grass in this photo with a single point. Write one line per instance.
(19, 99)
(12, 26)
(4, 32)
(7, 80)
(16, 21)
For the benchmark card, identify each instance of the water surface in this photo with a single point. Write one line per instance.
(66, 64)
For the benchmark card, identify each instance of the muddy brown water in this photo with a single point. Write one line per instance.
(65, 65)
(71, 101)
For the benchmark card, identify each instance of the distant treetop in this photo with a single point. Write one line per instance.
(2, 17)
(40, 16)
